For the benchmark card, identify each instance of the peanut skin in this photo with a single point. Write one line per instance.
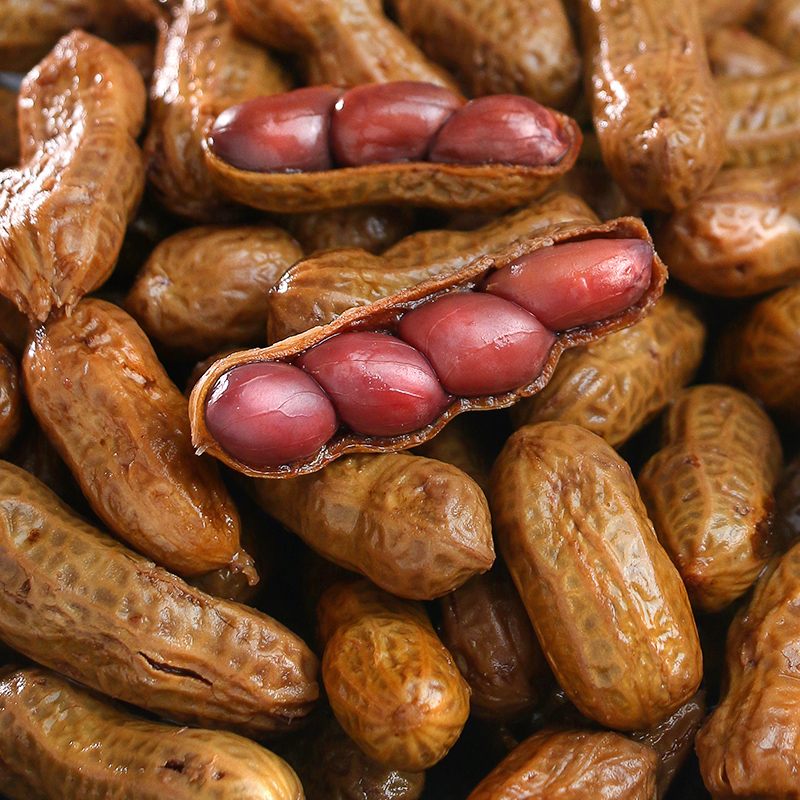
(348, 512)
(607, 604)
(59, 740)
(132, 454)
(10, 399)
(84, 605)
(391, 683)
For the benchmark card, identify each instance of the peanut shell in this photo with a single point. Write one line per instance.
(736, 53)
(10, 399)
(780, 26)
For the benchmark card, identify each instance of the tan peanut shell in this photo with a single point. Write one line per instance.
(490, 187)
(741, 236)
(10, 399)
(592, 182)
(737, 53)
(414, 526)
(607, 604)
(84, 605)
(709, 492)
(715, 14)
(143, 56)
(514, 47)
(101, 395)
(573, 765)
(204, 289)
(391, 683)
(615, 386)
(654, 103)
(320, 288)
(762, 353)
(341, 42)
(384, 313)
(63, 213)
(56, 736)
(203, 66)
(749, 747)
(780, 26)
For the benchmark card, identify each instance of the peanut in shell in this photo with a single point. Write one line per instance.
(780, 26)
(737, 53)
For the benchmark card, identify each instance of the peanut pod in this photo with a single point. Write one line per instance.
(85, 606)
(737, 53)
(10, 399)
(780, 26)
(725, 13)
(59, 740)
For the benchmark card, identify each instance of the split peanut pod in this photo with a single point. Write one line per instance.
(238, 408)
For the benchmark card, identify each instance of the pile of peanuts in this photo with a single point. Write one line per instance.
(354, 444)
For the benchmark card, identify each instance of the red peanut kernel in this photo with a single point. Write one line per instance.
(281, 133)
(478, 343)
(267, 414)
(379, 385)
(383, 123)
(578, 282)
(501, 129)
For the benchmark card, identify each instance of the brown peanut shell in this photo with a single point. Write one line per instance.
(320, 288)
(55, 735)
(654, 103)
(787, 506)
(741, 236)
(737, 53)
(384, 313)
(204, 289)
(780, 26)
(726, 13)
(63, 213)
(608, 606)
(14, 327)
(391, 684)
(10, 399)
(9, 134)
(591, 181)
(350, 513)
(203, 66)
(573, 765)
(78, 602)
(99, 392)
(615, 386)
(511, 48)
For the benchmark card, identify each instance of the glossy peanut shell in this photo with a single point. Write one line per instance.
(384, 313)
(80, 603)
(608, 606)
(10, 399)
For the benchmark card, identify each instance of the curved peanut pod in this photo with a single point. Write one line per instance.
(726, 13)
(347, 512)
(59, 740)
(654, 103)
(318, 289)
(10, 399)
(63, 213)
(516, 48)
(391, 683)
(741, 236)
(493, 187)
(203, 66)
(385, 313)
(762, 118)
(749, 747)
(781, 26)
(607, 604)
(204, 289)
(763, 353)
(615, 386)
(84, 605)
(342, 42)
(737, 53)
(103, 398)
(573, 764)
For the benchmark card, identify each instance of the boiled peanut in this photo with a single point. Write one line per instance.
(654, 103)
(131, 454)
(59, 740)
(391, 684)
(10, 399)
(709, 492)
(84, 605)
(615, 386)
(736, 53)
(781, 26)
(494, 49)
(77, 136)
(348, 512)
(607, 604)
(205, 289)
(573, 764)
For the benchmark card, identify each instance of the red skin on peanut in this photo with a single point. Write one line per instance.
(282, 133)
(578, 282)
(382, 123)
(267, 414)
(379, 385)
(501, 129)
(478, 343)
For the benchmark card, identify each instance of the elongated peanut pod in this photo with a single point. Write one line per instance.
(77, 601)
(59, 740)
